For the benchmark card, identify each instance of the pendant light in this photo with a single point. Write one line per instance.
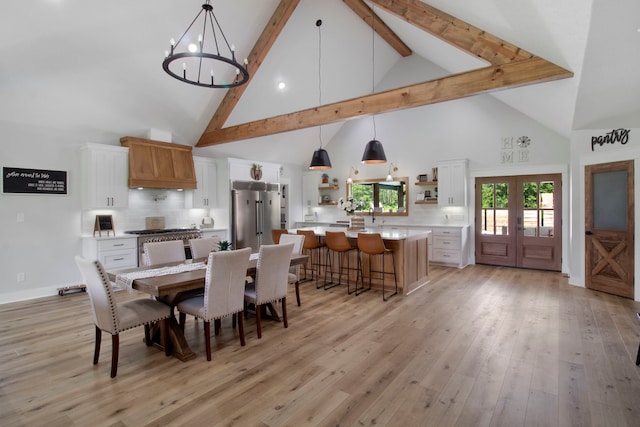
(373, 152)
(320, 159)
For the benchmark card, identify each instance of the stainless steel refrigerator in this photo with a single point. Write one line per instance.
(255, 212)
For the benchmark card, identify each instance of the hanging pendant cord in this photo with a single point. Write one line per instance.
(319, 24)
(373, 63)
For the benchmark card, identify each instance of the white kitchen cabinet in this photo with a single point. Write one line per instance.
(114, 253)
(104, 176)
(204, 196)
(220, 233)
(452, 183)
(310, 190)
(449, 245)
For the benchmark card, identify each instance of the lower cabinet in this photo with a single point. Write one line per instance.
(449, 245)
(114, 253)
(221, 234)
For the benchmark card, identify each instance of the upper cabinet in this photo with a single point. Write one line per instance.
(204, 196)
(156, 164)
(104, 176)
(452, 183)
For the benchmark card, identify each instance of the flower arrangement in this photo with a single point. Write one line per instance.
(349, 206)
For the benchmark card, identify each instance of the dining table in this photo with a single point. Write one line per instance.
(175, 287)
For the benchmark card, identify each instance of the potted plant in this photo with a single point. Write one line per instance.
(335, 182)
(325, 178)
(224, 245)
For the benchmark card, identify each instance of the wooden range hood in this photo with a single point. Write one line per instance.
(156, 164)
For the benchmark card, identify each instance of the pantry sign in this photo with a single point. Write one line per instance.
(33, 181)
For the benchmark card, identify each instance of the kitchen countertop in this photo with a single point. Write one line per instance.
(388, 233)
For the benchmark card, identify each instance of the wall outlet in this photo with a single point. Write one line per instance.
(20, 277)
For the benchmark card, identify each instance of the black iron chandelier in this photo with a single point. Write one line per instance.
(196, 58)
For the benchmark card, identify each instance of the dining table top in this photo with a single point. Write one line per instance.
(171, 284)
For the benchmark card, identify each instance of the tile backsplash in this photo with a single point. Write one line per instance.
(146, 203)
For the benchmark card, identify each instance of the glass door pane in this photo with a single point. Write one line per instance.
(537, 215)
(610, 200)
(495, 209)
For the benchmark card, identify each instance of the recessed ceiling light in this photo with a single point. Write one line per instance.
(282, 85)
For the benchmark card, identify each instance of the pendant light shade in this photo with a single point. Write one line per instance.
(320, 160)
(374, 153)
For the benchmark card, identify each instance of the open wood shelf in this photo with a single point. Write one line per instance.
(328, 204)
(427, 202)
(331, 187)
(427, 183)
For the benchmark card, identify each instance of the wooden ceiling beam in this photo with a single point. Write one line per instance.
(510, 67)
(257, 55)
(534, 70)
(363, 11)
(454, 31)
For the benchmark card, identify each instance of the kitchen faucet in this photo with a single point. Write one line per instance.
(372, 213)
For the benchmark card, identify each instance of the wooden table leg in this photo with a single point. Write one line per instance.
(178, 346)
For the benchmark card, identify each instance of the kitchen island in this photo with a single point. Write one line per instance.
(410, 247)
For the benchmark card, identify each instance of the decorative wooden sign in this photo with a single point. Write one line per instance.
(103, 223)
(33, 181)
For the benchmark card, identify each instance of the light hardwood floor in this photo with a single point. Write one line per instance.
(481, 346)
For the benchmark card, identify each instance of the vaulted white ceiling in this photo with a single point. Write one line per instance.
(93, 69)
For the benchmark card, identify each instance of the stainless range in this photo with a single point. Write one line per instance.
(162, 235)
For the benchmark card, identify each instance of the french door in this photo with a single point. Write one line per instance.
(519, 221)
(609, 228)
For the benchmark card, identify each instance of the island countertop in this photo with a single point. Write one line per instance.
(387, 233)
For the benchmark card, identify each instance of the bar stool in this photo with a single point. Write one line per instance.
(372, 245)
(312, 246)
(276, 233)
(337, 243)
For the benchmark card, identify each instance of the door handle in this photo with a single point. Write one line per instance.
(588, 232)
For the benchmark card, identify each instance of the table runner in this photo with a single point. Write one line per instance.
(125, 280)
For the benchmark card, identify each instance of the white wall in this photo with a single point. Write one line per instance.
(582, 155)
(43, 246)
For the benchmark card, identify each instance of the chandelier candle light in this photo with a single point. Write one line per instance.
(190, 62)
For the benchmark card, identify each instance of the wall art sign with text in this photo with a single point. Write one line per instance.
(616, 135)
(33, 181)
(514, 149)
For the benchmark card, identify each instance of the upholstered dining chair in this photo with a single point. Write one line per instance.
(163, 252)
(272, 279)
(294, 272)
(223, 293)
(200, 248)
(113, 317)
